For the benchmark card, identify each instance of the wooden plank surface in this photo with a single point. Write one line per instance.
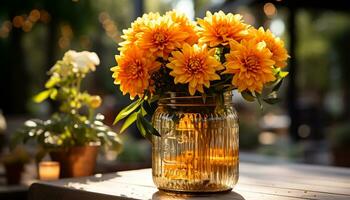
(257, 181)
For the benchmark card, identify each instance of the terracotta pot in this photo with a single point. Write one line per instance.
(14, 173)
(76, 161)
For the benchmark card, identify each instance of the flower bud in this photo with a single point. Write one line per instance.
(95, 101)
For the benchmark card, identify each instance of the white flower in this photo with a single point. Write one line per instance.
(82, 62)
(30, 123)
(2, 123)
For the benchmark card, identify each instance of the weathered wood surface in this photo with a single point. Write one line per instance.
(257, 181)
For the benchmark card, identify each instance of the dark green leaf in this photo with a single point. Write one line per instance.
(272, 100)
(142, 130)
(148, 107)
(127, 110)
(154, 98)
(258, 97)
(248, 96)
(145, 127)
(278, 85)
(273, 94)
(149, 127)
(41, 96)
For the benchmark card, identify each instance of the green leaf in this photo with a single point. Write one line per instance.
(147, 107)
(41, 96)
(142, 130)
(283, 74)
(273, 94)
(150, 108)
(149, 127)
(258, 97)
(276, 70)
(53, 93)
(145, 127)
(131, 119)
(278, 85)
(272, 100)
(127, 110)
(153, 99)
(248, 96)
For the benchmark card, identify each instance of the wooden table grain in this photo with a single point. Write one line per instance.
(257, 181)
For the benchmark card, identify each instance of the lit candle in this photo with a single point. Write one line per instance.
(49, 170)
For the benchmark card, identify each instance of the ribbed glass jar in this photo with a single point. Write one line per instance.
(198, 147)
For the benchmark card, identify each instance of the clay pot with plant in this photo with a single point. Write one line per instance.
(73, 135)
(14, 163)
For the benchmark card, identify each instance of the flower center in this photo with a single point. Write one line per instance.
(159, 38)
(222, 30)
(251, 63)
(136, 69)
(194, 65)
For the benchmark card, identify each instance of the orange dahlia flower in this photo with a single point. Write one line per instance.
(186, 25)
(129, 35)
(133, 71)
(220, 28)
(251, 65)
(161, 36)
(274, 44)
(195, 65)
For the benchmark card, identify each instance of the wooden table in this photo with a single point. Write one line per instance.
(257, 181)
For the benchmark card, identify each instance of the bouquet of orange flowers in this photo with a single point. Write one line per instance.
(218, 53)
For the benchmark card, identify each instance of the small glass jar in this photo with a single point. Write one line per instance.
(198, 147)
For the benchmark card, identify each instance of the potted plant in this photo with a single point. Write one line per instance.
(73, 135)
(182, 73)
(14, 162)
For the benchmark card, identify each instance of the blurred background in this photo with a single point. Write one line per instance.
(311, 125)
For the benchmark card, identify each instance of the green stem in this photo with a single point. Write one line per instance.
(91, 114)
(78, 85)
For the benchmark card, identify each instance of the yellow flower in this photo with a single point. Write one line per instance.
(220, 28)
(274, 44)
(251, 65)
(195, 65)
(186, 25)
(133, 71)
(136, 27)
(95, 101)
(161, 36)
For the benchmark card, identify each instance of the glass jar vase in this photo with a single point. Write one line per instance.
(198, 147)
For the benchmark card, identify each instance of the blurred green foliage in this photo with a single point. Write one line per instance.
(316, 48)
